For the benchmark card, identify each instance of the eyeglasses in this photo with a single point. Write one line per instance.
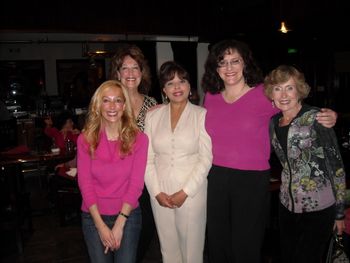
(232, 63)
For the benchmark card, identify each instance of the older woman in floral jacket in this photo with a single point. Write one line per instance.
(313, 179)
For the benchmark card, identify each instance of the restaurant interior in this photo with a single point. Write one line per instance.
(54, 56)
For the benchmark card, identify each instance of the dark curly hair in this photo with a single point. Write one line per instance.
(135, 53)
(211, 81)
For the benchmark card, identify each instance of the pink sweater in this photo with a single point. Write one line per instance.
(107, 180)
(240, 130)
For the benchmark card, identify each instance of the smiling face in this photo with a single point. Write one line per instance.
(286, 97)
(112, 105)
(230, 68)
(177, 90)
(129, 73)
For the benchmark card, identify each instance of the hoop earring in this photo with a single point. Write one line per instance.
(273, 104)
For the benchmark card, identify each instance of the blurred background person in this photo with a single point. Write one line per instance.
(62, 129)
(64, 135)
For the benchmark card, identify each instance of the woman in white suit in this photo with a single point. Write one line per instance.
(179, 159)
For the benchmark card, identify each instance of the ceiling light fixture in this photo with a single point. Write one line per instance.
(94, 53)
(284, 28)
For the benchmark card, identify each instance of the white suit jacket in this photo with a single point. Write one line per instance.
(185, 154)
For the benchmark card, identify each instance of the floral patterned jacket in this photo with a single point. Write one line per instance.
(313, 176)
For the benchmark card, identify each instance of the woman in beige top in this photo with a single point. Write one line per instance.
(179, 158)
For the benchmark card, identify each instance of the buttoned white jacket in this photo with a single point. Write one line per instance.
(184, 155)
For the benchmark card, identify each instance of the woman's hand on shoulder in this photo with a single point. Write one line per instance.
(326, 117)
(339, 225)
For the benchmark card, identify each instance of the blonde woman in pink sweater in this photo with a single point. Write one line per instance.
(112, 155)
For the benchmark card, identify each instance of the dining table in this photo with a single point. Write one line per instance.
(12, 161)
(12, 164)
(27, 156)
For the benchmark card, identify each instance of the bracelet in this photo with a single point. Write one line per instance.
(122, 214)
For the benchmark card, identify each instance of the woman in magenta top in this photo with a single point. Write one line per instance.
(112, 155)
(238, 116)
(62, 131)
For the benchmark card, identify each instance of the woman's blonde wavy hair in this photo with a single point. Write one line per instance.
(94, 121)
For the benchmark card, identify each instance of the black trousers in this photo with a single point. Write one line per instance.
(148, 230)
(238, 205)
(304, 236)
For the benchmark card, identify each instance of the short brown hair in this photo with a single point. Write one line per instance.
(281, 75)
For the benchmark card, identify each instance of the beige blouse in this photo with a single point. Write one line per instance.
(185, 154)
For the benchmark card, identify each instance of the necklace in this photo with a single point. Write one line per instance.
(113, 137)
(286, 120)
(234, 97)
(112, 133)
(137, 105)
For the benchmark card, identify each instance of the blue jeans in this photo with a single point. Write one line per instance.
(128, 247)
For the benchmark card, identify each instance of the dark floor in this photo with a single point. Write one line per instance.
(50, 242)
